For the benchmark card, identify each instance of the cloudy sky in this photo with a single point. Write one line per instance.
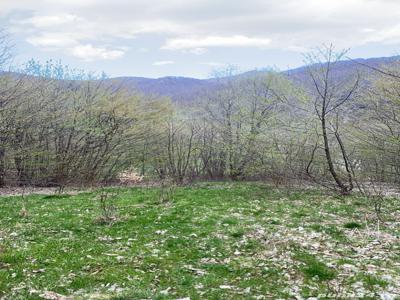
(193, 37)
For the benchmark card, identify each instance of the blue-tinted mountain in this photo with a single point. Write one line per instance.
(184, 89)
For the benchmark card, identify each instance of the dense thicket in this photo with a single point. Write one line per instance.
(60, 126)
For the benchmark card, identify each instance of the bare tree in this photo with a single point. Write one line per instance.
(331, 93)
(5, 50)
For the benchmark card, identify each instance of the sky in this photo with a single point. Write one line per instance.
(193, 38)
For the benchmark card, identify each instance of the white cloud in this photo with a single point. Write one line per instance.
(72, 2)
(89, 53)
(73, 26)
(215, 41)
(52, 41)
(212, 64)
(163, 62)
(61, 33)
(49, 21)
(384, 35)
(73, 47)
(198, 51)
(296, 48)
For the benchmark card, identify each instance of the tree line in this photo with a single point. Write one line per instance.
(342, 131)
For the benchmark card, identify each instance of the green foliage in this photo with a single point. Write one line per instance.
(314, 268)
(81, 133)
(352, 225)
(205, 244)
(237, 233)
(372, 281)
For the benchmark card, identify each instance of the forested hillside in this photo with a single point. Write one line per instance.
(333, 123)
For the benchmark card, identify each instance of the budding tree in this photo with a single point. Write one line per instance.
(332, 92)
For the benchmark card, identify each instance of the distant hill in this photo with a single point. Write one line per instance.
(185, 90)
(179, 89)
(347, 67)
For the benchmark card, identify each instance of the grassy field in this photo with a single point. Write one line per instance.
(207, 241)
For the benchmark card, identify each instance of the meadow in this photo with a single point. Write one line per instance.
(204, 241)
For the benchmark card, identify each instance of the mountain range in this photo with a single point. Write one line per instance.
(185, 89)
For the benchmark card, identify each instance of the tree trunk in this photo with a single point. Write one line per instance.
(2, 166)
(343, 189)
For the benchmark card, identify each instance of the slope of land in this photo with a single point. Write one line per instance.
(207, 241)
(183, 89)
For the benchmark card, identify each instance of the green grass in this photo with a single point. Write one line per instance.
(352, 225)
(372, 281)
(313, 268)
(210, 241)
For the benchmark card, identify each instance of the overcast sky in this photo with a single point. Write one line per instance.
(192, 37)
